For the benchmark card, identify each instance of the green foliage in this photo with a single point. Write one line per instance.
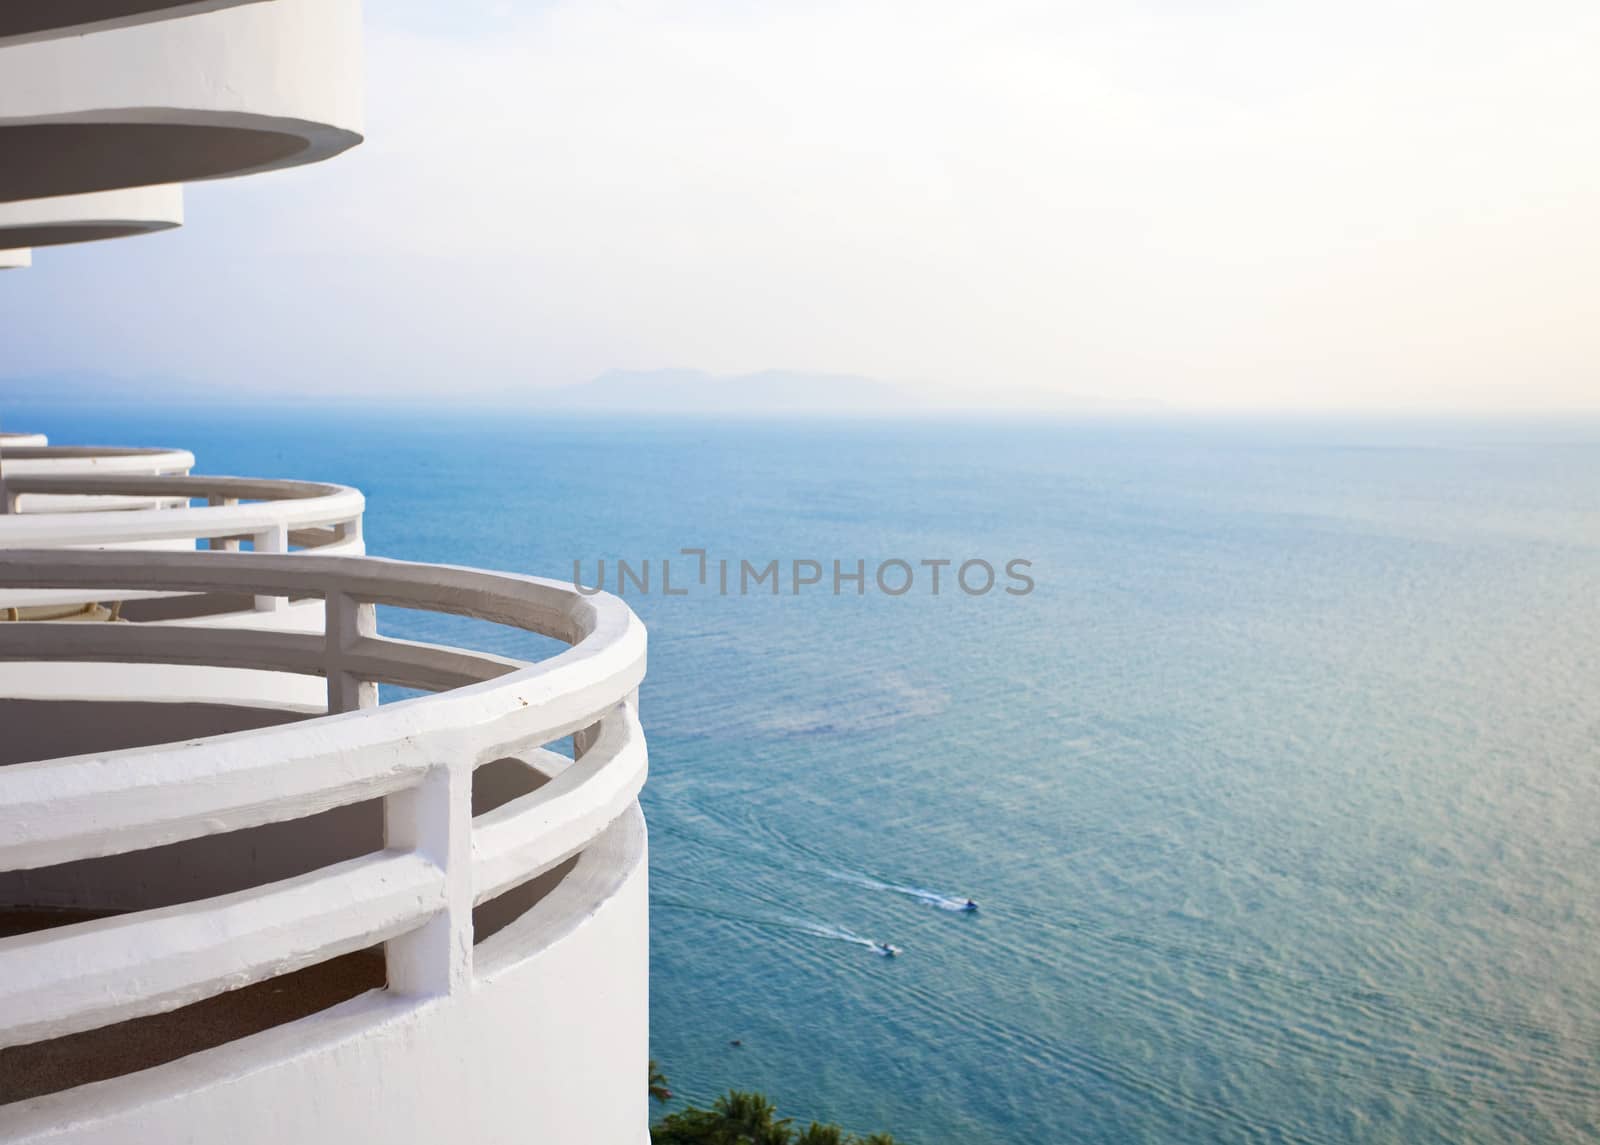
(751, 1117)
(741, 1118)
(658, 1083)
(691, 1127)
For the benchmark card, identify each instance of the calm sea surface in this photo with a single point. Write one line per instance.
(1279, 793)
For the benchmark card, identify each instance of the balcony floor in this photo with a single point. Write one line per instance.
(61, 1063)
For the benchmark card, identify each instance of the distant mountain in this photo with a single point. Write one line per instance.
(697, 392)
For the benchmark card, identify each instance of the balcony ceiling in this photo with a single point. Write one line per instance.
(238, 89)
(85, 218)
(44, 158)
(25, 20)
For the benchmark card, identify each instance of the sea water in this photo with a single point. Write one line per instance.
(1278, 793)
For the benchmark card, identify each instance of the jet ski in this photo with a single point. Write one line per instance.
(887, 949)
(969, 905)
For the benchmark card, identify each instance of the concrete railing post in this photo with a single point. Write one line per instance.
(225, 544)
(434, 819)
(583, 738)
(273, 539)
(346, 621)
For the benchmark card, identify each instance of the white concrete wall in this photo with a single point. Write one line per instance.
(30, 20)
(89, 218)
(547, 1046)
(202, 96)
(538, 1034)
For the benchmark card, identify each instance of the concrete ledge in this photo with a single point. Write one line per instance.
(253, 87)
(549, 1048)
(87, 218)
(27, 21)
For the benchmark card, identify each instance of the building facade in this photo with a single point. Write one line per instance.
(266, 873)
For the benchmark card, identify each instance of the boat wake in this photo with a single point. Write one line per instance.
(920, 894)
(840, 934)
(792, 924)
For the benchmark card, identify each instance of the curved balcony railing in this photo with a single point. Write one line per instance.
(273, 515)
(40, 460)
(62, 460)
(417, 756)
(270, 516)
(13, 440)
(47, 460)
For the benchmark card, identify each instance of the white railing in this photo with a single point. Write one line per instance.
(417, 894)
(44, 460)
(104, 461)
(271, 516)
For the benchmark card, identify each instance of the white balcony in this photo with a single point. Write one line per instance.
(171, 93)
(413, 922)
(65, 219)
(30, 454)
(84, 509)
(26, 21)
(114, 510)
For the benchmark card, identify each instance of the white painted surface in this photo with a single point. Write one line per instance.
(238, 507)
(291, 68)
(157, 683)
(61, 460)
(103, 214)
(45, 460)
(145, 962)
(25, 21)
(324, 519)
(545, 1043)
(321, 517)
(537, 1035)
(16, 259)
(60, 810)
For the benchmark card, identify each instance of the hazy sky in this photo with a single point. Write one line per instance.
(1203, 203)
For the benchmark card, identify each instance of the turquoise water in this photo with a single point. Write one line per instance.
(1279, 793)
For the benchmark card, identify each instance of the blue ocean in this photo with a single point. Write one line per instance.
(1279, 793)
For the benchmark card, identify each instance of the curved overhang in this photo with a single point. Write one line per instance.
(252, 87)
(85, 218)
(25, 21)
(15, 259)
